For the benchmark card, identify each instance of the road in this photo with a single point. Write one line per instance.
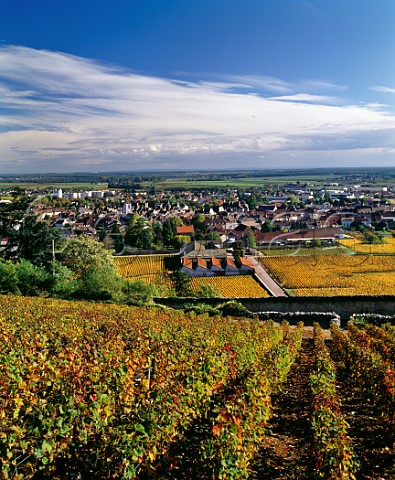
(272, 287)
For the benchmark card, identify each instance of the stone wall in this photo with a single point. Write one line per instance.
(344, 307)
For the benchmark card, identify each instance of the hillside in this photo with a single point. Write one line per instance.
(105, 391)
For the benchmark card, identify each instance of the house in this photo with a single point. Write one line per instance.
(231, 267)
(246, 266)
(216, 266)
(186, 230)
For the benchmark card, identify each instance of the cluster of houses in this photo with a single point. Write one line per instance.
(311, 216)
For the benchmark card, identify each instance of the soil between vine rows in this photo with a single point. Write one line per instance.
(287, 451)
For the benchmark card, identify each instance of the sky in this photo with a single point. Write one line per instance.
(134, 85)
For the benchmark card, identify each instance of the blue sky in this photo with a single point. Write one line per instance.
(95, 85)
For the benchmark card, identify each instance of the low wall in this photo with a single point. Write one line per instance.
(344, 307)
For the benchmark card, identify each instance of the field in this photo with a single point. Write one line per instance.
(105, 391)
(235, 181)
(149, 268)
(386, 248)
(156, 269)
(334, 274)
(77, 186)
(140, 265)
(232, 286)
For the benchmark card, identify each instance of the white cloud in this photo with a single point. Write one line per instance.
(308, 98)
(382, 89)
(60, 112)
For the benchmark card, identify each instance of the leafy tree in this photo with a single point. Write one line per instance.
(169, 229)
(93, 267)
(138, 292)
(157, 231)
(27, 237)
(35, 239)
(199, 224)
(251, 241)
(372, 238)
(117, 237)
(130, 237)
(267, 226)
(182, 283)
(32, 279)
(8, 277)
(139, 234)
(238, 250)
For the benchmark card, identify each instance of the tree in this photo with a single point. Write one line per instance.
(372, 238)
(139, 234)
(8, 277)
(117, 237)
(138, 292)
(267, 226)
(182, 283)
(169, 229)
(251, 241)
(199, 224)
(27, 237)
(157, 231)
(32, 279)
(34, 241)
(93, 267)
(238, 250)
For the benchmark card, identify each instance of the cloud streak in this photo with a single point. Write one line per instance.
(64, 113)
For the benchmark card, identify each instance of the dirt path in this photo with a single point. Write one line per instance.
(287, 451)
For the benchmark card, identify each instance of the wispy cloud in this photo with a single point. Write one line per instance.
(61, 112)
(382, 89)
(308, 98)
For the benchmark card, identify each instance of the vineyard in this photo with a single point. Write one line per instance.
(107, 391)
(232, 286)
(145, 266)
(385, 248)
(334, 274)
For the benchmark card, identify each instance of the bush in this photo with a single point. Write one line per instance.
(8, 277)
(235, 309)
(138, 292)
(201, 309)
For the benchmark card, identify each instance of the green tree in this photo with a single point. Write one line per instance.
(118, 239)
(169, 229)
(199, 224)
(139, 233)
(93, 267)
(372, 238)
(34, 241)
(32, 279)
(27, 237)
(8, 277)
(267, 226)
(157, 232)
(251, 241)
(138, 292)
(238, 250)
(182, 284)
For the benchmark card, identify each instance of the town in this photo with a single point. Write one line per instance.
(130, 220)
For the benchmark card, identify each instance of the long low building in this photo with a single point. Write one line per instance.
(200, 267)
